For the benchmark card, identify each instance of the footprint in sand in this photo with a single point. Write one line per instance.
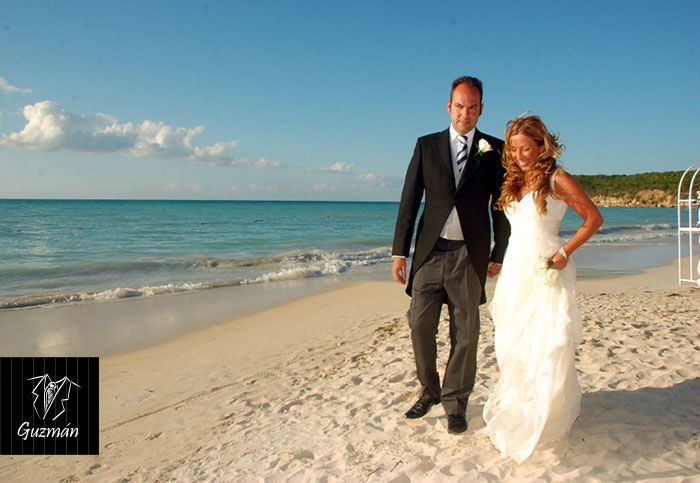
(397, 378)
(683, 373)
(304, 455)
(314, 397)
(288, 406)
(402, 398)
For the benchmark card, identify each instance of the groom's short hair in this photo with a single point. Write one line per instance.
(470, 81)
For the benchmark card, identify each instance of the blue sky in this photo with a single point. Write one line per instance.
(324, 100)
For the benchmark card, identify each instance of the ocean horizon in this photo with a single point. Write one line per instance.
(57, 251)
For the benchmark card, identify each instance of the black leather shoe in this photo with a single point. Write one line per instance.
(456, 423)
(422, 406)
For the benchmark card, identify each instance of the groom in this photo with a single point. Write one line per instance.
(459, 171)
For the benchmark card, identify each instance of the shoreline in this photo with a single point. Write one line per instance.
(316, 388)
(110, 327)
(593, 261)
(123, 325)
(146, 322)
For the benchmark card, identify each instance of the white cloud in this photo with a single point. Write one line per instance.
(339, 167)
(49, 127)
(10, 89)
(372, 180)
(267, 164)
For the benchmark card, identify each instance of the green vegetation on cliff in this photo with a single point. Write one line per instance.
(644, 189)
(629, 184)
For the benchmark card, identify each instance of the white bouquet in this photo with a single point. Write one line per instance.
(543, 272)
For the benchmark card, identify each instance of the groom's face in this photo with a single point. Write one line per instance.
(464, 108)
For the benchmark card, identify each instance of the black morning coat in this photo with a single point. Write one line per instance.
(430, 172)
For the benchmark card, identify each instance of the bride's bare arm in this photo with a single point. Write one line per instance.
(568, 189)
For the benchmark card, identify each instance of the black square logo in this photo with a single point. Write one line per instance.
(49, 405)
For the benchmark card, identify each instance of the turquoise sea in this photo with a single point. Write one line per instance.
(71, 251)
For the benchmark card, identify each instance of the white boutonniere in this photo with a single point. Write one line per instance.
(483, 147)
(543, 272)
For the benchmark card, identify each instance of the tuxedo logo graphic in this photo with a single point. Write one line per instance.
(49, 405)
(50, 397)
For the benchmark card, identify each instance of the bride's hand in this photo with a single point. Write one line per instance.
(559, 261)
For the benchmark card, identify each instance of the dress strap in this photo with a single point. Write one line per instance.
(552, 179)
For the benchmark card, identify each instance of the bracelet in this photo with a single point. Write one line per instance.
(562, 252)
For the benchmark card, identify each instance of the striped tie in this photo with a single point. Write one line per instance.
(463, 153)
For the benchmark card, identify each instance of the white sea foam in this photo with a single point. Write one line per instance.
(632, 237)
(642, 227)
(126, 292)
(288, 266)
(629, 232)
(319, 263)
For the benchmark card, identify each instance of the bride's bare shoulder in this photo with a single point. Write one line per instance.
(563, 183)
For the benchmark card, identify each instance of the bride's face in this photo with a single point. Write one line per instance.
(525, 151)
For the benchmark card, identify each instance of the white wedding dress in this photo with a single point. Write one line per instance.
(537, 328)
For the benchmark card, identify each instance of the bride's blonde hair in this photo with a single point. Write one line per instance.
(540, 173)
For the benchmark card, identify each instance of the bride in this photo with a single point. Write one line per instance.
(536, 320)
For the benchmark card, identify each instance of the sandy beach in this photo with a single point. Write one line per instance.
(315, 389)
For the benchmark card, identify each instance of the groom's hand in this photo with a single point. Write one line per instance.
(398, 270)
(493, 269)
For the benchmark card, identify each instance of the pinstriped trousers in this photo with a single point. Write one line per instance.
(446, 277)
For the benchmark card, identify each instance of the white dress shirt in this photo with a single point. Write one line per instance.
(452, 230)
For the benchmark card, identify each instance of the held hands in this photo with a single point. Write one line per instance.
(398, 270)
(493, 269)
